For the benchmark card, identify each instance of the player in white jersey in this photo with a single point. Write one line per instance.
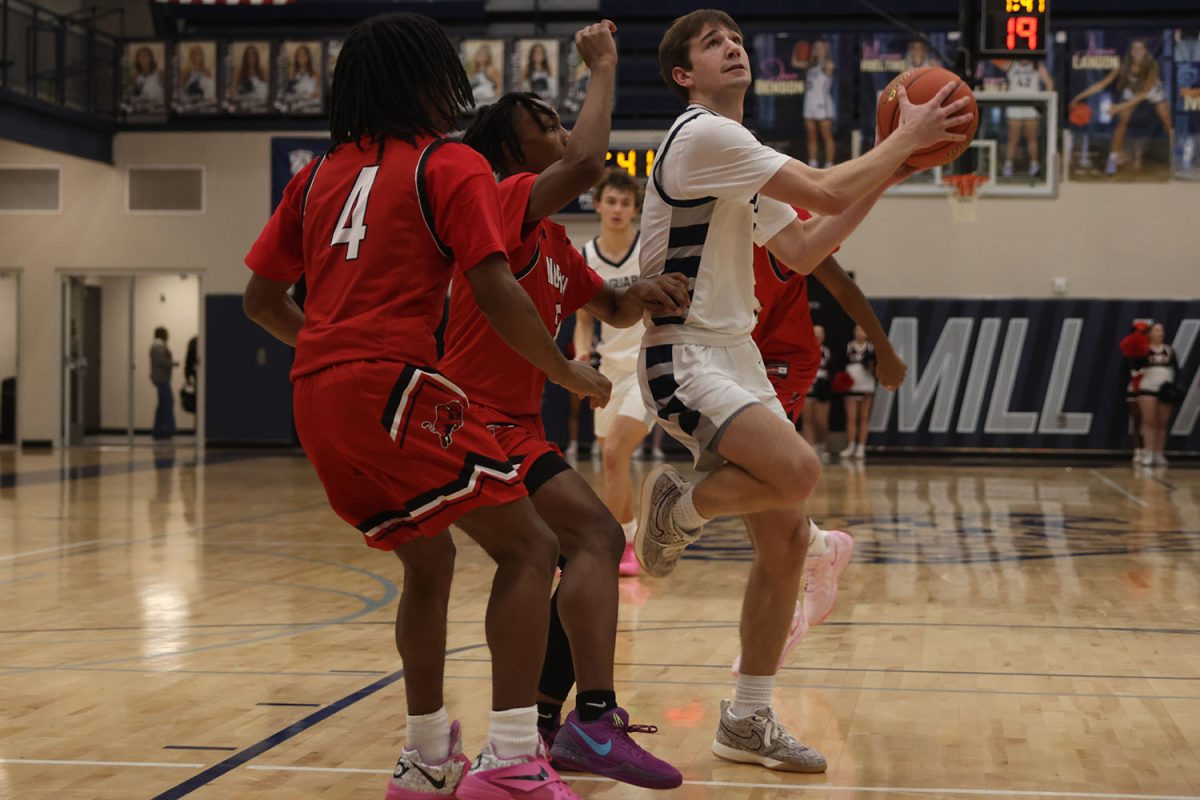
(1024, 122)
(715, 192)
(622, 425)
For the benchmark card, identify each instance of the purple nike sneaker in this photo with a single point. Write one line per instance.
(605, 748)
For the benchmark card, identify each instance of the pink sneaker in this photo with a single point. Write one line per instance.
(797, 632)
(629, 564)
(413, 779)
(524, 777)
(821, 575)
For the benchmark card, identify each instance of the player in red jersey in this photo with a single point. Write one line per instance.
(542, 169)
(792, 355)
(377, 226)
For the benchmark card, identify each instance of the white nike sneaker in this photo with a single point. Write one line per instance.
(413, 779)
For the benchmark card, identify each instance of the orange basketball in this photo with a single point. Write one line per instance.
(922, 84)
(1080, 114)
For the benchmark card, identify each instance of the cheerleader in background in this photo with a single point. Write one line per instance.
(1156, 371)
(860, 366)
(816, 408)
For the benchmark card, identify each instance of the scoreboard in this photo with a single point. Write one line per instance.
(1014, 28)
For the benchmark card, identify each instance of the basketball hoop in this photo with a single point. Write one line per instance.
(964, 195)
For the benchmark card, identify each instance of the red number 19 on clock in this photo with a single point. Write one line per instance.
(1023, 28)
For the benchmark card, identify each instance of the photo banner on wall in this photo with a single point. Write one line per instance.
(144, 87)
(1119, 85)
(1187, 105)
(796, 92)
(883, 56)
(289, 155)
(1026, 374)
(195, 68)
(300, 78)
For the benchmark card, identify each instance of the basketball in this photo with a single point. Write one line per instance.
(922, 84)
(1079, 114)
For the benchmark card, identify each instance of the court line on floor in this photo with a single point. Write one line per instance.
(898, 671)
(1118, 487)
(80, 472)
(77, 763)
(52, 549)
(892, 689)
(279, 737)
(785, 787)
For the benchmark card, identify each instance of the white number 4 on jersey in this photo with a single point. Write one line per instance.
(353, 212)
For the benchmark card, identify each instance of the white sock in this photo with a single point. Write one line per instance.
(685, 514)
(429, 735)
(752, 693)
(816, 541)
(630, 529)
(513, 732)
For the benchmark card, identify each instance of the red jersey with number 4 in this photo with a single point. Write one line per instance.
(552, 272)
(377, 232)
(784, 331)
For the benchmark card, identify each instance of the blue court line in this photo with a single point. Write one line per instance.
(64, 474)
(194, 747)
(288, 705)
(279, 737)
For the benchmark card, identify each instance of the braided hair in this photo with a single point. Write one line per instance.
(397, 76)
(493, 132)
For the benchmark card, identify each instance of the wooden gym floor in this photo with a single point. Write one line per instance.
(177, 630)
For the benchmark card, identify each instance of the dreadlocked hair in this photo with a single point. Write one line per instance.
(493, 132)
(397, 76)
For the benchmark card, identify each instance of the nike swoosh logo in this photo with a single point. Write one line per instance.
(438, 783)
(597, 705)
(597, 748)
(541, 776)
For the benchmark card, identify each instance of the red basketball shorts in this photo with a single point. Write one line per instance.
(791, 387)
(399, 449)
(523, 440)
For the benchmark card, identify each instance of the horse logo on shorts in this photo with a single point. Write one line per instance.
(447, 418)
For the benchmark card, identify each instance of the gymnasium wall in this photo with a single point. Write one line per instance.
(1109, 241)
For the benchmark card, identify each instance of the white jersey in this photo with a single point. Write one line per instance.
(702, 217)
(618, 347)
(1023, 76)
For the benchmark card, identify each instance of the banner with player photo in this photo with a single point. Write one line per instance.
(300, 78)
(194, 78)
(577, 76)
(1026, 374)
(483, 59)
(796, 91)
(1187, 105)
(144, 87)
(248, 77)
(1119, 89)
(1020, 132)
(537, 67)
(289, 155)
(883, 56)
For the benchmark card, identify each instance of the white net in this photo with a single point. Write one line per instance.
(963, 195)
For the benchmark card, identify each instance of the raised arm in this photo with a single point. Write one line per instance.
(582, 163)
(833, 191)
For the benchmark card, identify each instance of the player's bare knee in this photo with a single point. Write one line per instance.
(796, 477)
(598, 535)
